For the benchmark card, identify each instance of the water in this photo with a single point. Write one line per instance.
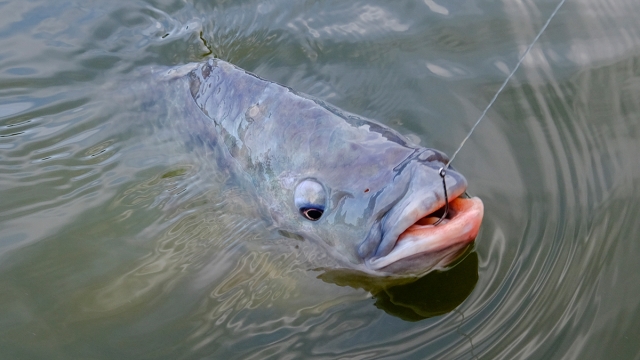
(119, 241)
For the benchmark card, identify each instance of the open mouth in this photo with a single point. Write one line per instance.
(459, 227)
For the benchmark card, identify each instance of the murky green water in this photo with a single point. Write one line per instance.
(118, 240)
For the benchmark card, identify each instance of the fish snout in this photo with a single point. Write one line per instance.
(423, 198)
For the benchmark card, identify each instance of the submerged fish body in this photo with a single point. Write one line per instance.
(350, 184)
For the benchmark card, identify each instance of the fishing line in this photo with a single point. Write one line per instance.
(443, 170)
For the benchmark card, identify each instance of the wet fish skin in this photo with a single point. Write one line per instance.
(376, 181)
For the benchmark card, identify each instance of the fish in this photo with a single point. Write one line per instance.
(358, 189)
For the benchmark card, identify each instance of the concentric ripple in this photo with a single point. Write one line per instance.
(122, 238)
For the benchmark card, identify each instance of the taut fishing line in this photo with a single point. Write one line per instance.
(443, 170)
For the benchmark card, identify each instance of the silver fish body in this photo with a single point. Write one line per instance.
(348, 183)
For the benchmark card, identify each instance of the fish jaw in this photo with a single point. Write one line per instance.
(458, 231)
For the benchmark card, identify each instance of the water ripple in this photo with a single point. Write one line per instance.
(118, 240)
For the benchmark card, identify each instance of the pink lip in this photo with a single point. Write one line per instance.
(460, 227)
(463, 225)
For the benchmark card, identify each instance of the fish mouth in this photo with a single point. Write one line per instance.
(422, 238)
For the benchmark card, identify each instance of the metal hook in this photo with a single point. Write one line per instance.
(443, 173)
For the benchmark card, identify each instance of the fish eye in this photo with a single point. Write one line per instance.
(310, 199)
(312, 214)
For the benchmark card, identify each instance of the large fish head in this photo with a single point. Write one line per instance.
(373, 199)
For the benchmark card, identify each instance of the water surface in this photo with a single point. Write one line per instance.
(120, 240)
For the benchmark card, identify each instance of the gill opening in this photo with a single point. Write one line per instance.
(443, 170)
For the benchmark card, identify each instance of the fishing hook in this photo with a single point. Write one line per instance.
(443, 173)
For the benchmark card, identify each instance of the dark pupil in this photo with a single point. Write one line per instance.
(312, 214)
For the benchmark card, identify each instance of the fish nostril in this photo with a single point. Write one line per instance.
(432, 155)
